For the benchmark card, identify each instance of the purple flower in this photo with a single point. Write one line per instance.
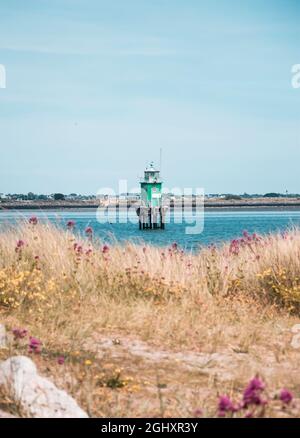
(105, 249)
(256, 384)
(35, 345)
(19, 333)
(19, 246)
(225, 405)
(60, 360)
(285, 396)
(33, 220)
(198, 412)
(77, 248)
(70, 225)
(234, 247)
(252, 393)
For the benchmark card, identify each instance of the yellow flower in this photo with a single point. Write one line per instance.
(88, 362)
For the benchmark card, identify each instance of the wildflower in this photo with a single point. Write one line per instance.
(252, 393)
(19, 246)
(225, 405)
(174, 246)
(35, 345)
(88, 362)
(19, 333)
(60, 360)
(70, 225)
(79, 249)
(89, 231)
(198, 412)
(105, 249)
(234, 247)
(33, 220)
(285, 396)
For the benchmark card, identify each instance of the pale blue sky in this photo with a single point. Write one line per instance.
(95, 88)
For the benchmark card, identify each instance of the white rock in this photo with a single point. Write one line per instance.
(38, 396)
(2, 336)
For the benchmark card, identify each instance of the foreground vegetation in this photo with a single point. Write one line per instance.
(141, 331)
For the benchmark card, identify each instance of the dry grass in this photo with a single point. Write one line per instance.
(182, 327)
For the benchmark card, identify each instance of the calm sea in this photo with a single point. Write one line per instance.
(219, 225)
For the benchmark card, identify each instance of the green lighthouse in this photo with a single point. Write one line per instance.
(151, 186)
(151, 212)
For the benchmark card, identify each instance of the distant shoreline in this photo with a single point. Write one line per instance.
(215, 204)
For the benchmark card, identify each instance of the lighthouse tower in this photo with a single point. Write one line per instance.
(151, 212)
(151, 187)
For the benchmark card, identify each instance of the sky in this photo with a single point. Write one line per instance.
(95, 88)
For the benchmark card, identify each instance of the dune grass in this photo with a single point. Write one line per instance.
(88, 304)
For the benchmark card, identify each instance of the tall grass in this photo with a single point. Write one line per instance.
(266, 269)
(69, 290)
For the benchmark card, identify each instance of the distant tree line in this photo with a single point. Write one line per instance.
(267, 195)
(74, 196)
(30, 196)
